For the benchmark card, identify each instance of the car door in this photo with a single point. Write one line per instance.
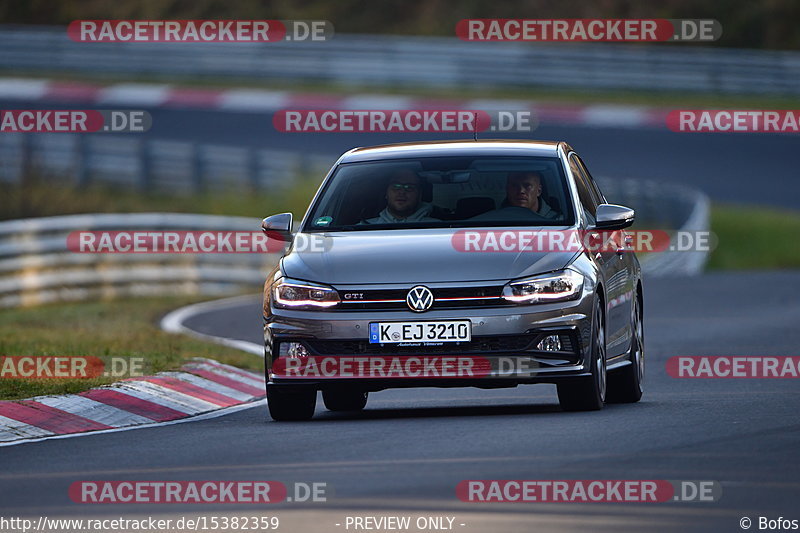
(624, 241)
(609, 260)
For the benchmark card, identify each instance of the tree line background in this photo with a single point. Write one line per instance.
(769, 24)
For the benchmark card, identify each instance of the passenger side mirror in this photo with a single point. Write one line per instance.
(278, 227)
(614, 217)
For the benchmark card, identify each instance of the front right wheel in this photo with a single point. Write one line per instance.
(589, 394)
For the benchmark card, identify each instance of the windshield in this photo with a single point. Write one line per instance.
(443, 192)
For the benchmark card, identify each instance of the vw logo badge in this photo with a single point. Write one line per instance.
(419, 299)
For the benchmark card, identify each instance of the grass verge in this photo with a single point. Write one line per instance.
(754, 238)
(104, 329)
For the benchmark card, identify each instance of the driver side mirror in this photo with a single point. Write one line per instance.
(278, 227)
(614, 217)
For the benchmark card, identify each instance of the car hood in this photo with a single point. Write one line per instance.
(411, 256)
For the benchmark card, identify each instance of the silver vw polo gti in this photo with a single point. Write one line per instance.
(454, 264)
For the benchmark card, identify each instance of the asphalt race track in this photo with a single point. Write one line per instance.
(408, 450)
(406, 453)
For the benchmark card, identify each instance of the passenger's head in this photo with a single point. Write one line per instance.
(403, 192)
(523, 189)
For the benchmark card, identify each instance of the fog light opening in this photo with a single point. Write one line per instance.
(551, 343)
(293, 349)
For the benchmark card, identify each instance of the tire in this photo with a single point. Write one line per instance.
(291, 406)
(626, 385)
(344, 400)
(589, 394)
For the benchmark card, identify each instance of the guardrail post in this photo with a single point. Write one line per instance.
(302, 166)
(25, 164)
(197, 168)
(82, 168)
(253, 166)
(26, 178)
(145, 177)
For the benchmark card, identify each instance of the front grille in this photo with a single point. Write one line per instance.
(443, 298)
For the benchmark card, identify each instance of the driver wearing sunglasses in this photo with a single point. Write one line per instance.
(403, 200)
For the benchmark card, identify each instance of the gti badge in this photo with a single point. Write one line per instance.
(354, 296)
(419, 299)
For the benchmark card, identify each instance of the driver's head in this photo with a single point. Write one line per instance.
(523, 189)
(403, 192)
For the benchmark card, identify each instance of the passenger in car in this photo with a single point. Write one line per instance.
(403, 200)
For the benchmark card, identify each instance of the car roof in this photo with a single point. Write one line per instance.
(455, 149)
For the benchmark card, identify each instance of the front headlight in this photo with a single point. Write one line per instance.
(554, 287)
(293, 294)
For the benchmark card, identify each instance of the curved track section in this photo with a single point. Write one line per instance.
(406, 453)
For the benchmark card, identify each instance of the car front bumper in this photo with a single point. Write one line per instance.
(496, 369)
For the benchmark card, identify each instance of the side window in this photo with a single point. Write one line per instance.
(592, 183)
(588, 197)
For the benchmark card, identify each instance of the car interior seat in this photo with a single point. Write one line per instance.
(473, 206)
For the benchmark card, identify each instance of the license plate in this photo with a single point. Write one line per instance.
(438, 331)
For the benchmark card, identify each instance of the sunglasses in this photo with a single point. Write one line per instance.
(410, 187)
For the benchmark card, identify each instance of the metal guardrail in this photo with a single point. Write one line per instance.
(37, 267)
(175, 166)
(664, 206)
(438, 62)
